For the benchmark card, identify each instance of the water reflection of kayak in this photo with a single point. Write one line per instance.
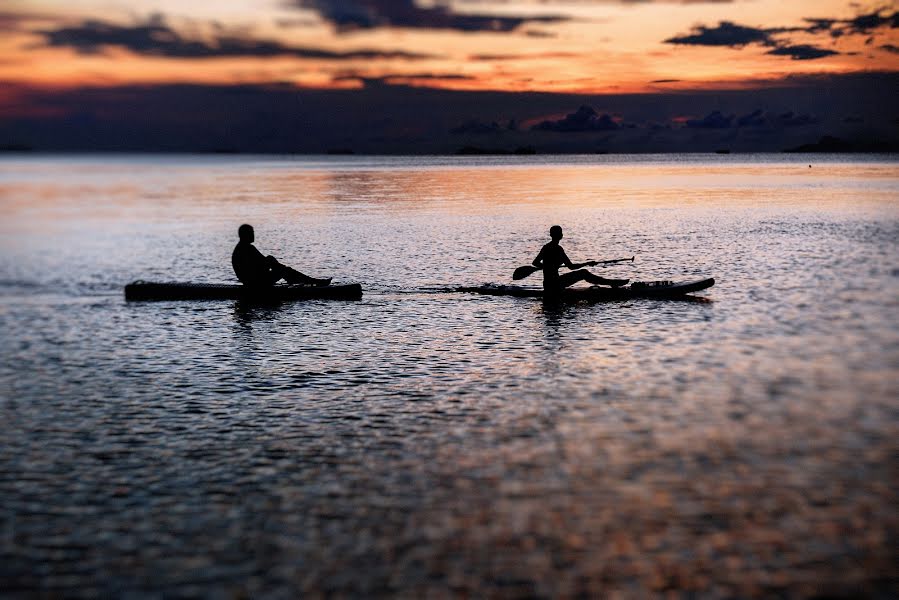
(147, 290)
(652, 289)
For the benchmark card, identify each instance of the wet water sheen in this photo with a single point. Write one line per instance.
(423, 441)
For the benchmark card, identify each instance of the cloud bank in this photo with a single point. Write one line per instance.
(154, 37)
(732, 35)
(350, 15)
(399, 119)
(584, 119)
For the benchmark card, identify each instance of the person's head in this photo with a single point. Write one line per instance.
(245, 233)
(555, 232)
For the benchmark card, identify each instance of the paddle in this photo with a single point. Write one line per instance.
(522, 272)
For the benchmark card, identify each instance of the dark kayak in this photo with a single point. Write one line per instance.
(653, 289)
(146, 290)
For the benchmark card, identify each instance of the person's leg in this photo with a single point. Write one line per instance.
(275, 269)
(294, 276)
(597, 280)
(569, 279)
(289, 275)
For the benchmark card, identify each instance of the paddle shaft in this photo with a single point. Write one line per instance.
(522, 272)
(614, 260)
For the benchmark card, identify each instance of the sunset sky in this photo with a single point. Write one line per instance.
(51, 49)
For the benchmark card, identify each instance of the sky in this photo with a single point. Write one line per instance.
(432, 76)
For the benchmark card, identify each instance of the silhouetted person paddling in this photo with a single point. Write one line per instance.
(551, 259)
(254, 269)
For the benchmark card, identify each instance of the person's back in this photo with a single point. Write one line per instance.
(552, 255)
(249, 264)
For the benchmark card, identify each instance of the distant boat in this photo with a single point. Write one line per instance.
(722, 151)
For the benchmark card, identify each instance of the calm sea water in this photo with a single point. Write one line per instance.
(423, 441)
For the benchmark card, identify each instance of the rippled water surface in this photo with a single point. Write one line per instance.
(425, 441)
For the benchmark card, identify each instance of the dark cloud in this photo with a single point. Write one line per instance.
(890, 48)
(861, 24)
(819, 25)
(492, 57)
(585, 119)
(736, 36)
(870, 21)
(349, 15)
(802, 52)
(713, 120)
(725, 33)
(477, 127)
(759, 118)
(154, 37)
(536, 33)
(732, 35)
(612, 1)
(400, 78)
(791, 119)
(665, 81)
(435, 76)
(754, 119)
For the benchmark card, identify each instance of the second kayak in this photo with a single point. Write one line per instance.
(654, 289)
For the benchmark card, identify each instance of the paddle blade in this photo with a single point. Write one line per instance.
(522, 272)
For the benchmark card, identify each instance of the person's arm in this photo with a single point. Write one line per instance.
(258, 259)
(538, 262)
(567, 262)
(246, 262)
(573, 266)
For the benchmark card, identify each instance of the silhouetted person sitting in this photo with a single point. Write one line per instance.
(551, 259)
(254, 269)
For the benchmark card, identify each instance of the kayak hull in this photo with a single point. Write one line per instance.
(596, 293)
(148, 291)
